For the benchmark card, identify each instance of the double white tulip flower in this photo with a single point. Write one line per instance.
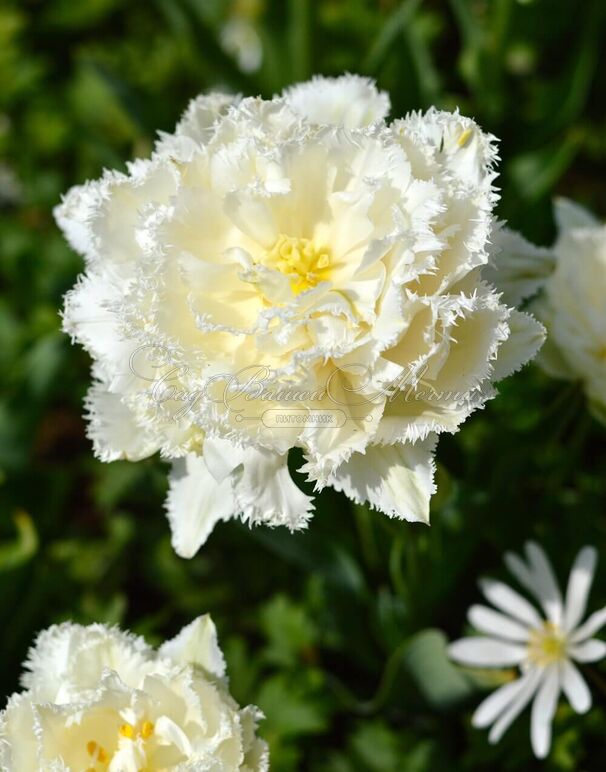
(292, 273)
(101, 700)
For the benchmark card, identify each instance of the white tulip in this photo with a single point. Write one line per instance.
(569, 282)
(573, 304)
(292, 273)
(100, 700)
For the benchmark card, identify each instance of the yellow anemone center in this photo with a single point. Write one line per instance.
(300, 259)
(100, 758)
(547, 645)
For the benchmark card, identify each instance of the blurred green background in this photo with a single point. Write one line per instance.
(338, 634)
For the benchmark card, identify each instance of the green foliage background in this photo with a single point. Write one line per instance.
(337, 633)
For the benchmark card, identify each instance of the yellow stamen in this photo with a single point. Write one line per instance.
(147, 729)
(546, 645)
(462, 140)
(95, 750)
(127, 730)
(300, 259)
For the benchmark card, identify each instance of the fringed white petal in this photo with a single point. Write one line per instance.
(197, 644)
(395, 479)
(263, 489)
(350, 101)
(526, 336)
(195, 504)
(113, 429)
(293, 236)
(265, 492)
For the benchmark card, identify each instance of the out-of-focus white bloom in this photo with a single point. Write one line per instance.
(10, 186)
(573, 303)
(98, 699)
(569, 280)
(518, 268)
(544, 644)
(292, 273)
(241, 40)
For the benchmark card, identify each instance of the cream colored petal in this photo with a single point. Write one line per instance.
(196, 644)
(265, 492)
(526, 336)
(568, 214)
(395, 479)
(113, 428)
(195, 504)
(350, 100)
(518, 269)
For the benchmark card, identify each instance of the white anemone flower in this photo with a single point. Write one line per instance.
(544, 643)
(100, 700)
(292, 273)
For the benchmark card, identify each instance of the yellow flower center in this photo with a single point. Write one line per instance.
(547, 645)
(100, 758)
(300, 259)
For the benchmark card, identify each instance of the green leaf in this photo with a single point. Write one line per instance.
(290, 709)
(289, 630)
(439, 681)
(377, 747)
(43, 362)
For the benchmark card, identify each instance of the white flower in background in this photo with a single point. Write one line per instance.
(573, 303)
(100, 700)
(292, 273)
(240, 39)
(570, 281)
(545, 644)
(518, 268)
